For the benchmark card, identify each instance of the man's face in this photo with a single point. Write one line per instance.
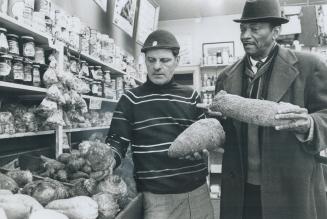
(258, 38)
(161, 65)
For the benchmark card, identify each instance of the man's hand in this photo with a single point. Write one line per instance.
(207, 111)
(300, 119)
(196, 155)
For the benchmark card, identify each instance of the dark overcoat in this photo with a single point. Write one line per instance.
(292, 180)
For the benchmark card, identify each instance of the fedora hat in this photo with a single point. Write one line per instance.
(262, 11)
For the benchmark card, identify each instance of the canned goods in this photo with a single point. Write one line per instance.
(13, 44)
(28, 46)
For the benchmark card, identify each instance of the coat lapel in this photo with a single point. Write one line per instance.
(283, 74)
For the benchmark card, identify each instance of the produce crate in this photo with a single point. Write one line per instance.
(134, 210)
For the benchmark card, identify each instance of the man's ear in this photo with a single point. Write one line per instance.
(177, 59)
(276, 32)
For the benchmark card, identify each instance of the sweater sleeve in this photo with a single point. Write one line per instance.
(119, 136)
(200, 114)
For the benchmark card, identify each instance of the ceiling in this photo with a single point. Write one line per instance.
(183, 9)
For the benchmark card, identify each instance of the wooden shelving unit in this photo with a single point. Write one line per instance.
(85, 129)
(26, 134)
(114, 70)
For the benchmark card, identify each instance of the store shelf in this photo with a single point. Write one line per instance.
(23, 29)
(208, 88)
(86, 129)
(100, 99)
(97, 61)
(26, 89)
(214, 66)
(26, 134)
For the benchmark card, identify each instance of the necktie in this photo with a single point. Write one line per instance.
(259, 64)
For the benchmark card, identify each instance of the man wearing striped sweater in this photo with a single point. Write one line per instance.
(149, 118)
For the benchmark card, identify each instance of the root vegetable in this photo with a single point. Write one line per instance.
(21, 177)
(204, 134)
(253, 111)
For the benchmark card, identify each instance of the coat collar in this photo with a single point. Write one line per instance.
(283, 74)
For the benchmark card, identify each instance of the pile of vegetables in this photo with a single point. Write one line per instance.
(78, 185)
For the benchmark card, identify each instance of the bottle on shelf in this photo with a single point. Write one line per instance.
(225, 56)
(18, 70)
(205, 78)
(219, 58)
(28, 68)
(5, 67)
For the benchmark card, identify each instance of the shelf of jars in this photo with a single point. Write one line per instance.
(86, 129)
(26, 134)
(22, 28)
(96, 61)
(39, 92)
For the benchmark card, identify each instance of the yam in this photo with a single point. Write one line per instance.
(252, 111)
(108, 207)
(21, 177)
(47, 214)
(79, 207)
(204, 134)
(8, 183)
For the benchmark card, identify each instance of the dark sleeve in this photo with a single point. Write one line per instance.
(200, 114)
(119, 136)
(317, 106)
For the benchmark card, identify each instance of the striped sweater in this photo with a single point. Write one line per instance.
(149, 118)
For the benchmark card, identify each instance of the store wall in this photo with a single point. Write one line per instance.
(89, 12)
(206, 30)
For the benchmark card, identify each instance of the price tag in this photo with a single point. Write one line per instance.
(95, 103)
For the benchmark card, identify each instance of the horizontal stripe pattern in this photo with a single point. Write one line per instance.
(155, 116)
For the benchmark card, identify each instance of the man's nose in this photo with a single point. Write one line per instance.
(246, 34)
(157, 65)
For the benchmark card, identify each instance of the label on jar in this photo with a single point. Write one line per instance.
(95, 88)
(13, 47)
(18, 74)
(4, 69)
(28, 77)
(28, 50)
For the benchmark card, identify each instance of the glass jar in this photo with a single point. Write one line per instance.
(39, 55)
(73, 65)
(84, 69)
(5, 67)
(13, 44)
(107, 77)
(36, 75)
(18, 69)
(98, 73)
(28, 68)
(100, 89)
(95, 87)
(88, 81)
(28, 46)
(4, 47)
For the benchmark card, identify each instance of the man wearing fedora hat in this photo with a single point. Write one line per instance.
(271, 173)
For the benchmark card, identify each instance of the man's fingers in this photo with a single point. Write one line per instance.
(296, 116)
(202, 106)
(292, 109)
(293, 125)
(215, 114)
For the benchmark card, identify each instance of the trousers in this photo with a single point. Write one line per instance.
(191, 205)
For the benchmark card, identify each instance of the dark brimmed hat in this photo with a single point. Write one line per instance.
(262, 11)
(160, 39)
